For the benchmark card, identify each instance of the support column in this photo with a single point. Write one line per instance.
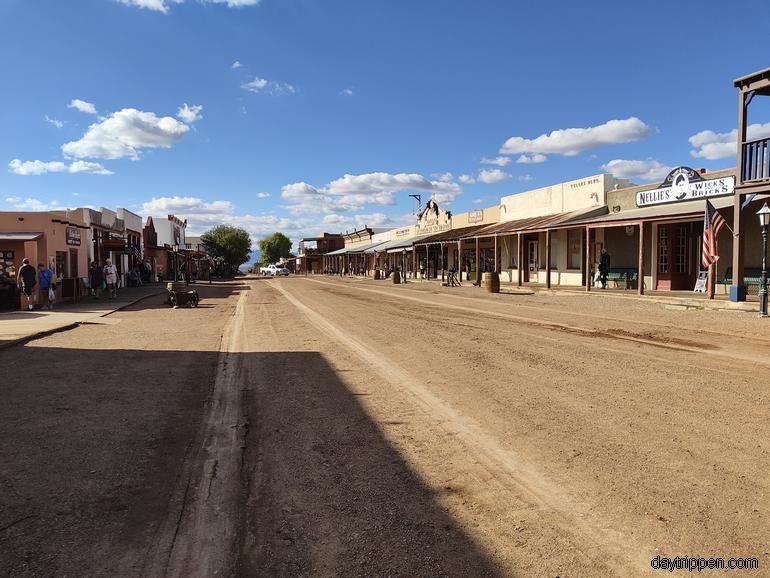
(478, 265)
(496, 260)
(520, 257)
(738, 287)
(588, 259)
(640, 274)
(548, 258)
(459, 260)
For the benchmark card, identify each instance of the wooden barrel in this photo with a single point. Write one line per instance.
(491, 282)
(376, 274)
(396, 277)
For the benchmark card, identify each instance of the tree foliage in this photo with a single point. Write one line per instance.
(273, 248)
(232, 244)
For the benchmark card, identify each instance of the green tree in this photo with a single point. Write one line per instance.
(274, 247)
(232, 244)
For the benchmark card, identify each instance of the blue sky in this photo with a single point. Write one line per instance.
(140, 103)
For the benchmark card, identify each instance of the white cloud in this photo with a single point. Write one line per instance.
(31, 204)
(491, 176)
(189, 114)
(477, 201)
(263, 195)
(572, 141)
(499, 161)
(466, 179)
(236, 64)
(352, 192)
(164, 5)
(233, 3)
(531, 159)
(711, 145)
(346, 92)
(649, 170)
(183, 205)
(526, 178)
(124, 134)
(19, 167)
(82, 106)
(272, 87)
(374, 220)
(54, 121)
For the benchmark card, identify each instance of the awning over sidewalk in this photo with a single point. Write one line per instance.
(337, 252)
(653, 213)
(535, 224)
(452, 235)
(14, 236)
(354, 250)
(398, 245)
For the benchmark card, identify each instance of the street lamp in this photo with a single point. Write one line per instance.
(176, 262)
(764, 222)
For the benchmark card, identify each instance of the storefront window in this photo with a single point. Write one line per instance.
(663, 250)
(574, 252)
(61, 265)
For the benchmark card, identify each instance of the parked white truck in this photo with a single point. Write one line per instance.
(274, 270)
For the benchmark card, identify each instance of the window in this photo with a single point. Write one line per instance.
(61, 265)
(681, 249)
(574, 249)
(663, 249)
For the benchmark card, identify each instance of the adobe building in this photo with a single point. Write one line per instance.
(57, 239)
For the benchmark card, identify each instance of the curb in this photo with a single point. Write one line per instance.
(68, 326)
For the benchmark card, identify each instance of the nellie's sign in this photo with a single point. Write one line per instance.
(685, 184)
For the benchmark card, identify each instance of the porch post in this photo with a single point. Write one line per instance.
(478, 267)
(640, 274)
(520, 258)
(588, 258)
(496, 271)
(738, 289)
(548, 258)
(458, 261)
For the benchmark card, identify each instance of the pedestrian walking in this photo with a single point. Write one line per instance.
(97, 278)
(47, 286)
(110, 277)
(604, 267)
(27, 282)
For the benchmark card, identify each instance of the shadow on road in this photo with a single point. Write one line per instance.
(331, 495)
(93, 443)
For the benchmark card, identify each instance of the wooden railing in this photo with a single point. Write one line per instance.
(756, 161)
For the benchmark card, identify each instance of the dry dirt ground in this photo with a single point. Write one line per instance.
(326, 427)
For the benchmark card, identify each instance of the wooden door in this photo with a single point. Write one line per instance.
(675, 262)
(532, 261)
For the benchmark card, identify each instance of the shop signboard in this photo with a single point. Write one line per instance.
(685, 184)
(476, 216)
(73, 236)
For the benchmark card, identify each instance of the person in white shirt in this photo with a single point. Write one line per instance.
(110, 277)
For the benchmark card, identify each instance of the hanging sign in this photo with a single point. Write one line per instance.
(685, 184)
(476, 216)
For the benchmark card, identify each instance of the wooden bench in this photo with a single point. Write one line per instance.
(628, 275)
(752, 277)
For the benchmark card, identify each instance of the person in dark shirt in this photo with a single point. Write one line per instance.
(604, 267)
(27, 282)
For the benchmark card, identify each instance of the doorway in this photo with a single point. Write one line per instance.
(675, 263)
(532, 261)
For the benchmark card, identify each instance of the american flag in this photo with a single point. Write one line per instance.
(712, 224)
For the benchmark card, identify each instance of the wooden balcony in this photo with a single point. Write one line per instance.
(755, 165)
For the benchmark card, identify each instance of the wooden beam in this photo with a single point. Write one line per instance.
(588, 259)
(640, 273)
(548, 259)
(496, 261)
(478, 265)
(520, 257)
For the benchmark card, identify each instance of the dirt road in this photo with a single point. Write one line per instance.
(319, 427)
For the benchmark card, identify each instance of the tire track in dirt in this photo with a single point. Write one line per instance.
(684, 346)
(201, 537)
(589, 534)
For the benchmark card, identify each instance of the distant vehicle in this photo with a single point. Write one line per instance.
(274, 270)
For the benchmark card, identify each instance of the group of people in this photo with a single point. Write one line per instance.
(34, 282)
(103, 279)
